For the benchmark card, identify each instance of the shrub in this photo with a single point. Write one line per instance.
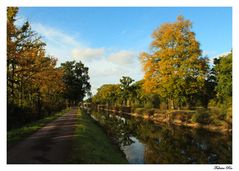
(221, 113)
(201, 116)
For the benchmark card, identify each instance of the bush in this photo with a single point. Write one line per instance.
(17, 116)
(201, 116)
(221, 113)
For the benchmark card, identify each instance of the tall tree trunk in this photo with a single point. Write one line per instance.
(12, 83)
(21, 93)
(38, 101)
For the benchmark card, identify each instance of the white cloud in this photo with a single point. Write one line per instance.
(104, 67)
(103, 71)
(65, 46)
(123, 57)
(55, 36)
(88, 53)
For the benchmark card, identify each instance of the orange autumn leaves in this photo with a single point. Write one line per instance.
(31, 74)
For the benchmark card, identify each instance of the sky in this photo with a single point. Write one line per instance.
(109, 40)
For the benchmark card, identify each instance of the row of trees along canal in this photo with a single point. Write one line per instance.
(177, 76)
(36, 87)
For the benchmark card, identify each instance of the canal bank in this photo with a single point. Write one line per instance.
(186, 118)
(91, 145)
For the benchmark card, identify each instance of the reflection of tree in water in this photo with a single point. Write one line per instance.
(168, 144)
(117, 127)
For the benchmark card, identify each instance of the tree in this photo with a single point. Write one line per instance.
(175, 68)
(126, 88)
(107, 94)
(208, 92)
(223, 68)
(76, 80)
(28, 69)
(25, 55)
(34, 84)
(140, 98)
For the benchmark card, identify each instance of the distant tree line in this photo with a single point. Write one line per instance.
(35, 85)
(127, 93)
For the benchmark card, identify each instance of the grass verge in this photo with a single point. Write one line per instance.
(18, 134)
(91, 144)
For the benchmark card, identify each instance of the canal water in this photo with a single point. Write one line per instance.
(143, 141)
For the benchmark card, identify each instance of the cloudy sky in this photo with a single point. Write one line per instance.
(109, 40)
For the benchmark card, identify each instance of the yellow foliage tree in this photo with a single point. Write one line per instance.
(32, 78)
(175, 69)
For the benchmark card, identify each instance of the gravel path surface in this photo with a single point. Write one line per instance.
(51, 144)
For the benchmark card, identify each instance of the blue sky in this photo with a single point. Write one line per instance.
(108, 40)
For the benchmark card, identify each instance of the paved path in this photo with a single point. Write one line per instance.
(51, 144)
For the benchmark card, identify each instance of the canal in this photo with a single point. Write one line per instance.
(143, 141)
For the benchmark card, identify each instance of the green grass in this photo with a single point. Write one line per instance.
(91, 144)
(18, 134)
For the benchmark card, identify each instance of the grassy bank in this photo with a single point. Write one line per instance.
(212, 119)
(91, 144)
(18, 134)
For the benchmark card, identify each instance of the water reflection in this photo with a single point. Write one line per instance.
(145, 142)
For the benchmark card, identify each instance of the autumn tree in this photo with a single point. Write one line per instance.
(175, 68)
(34, 84)
(76, 80)
(25, 55)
